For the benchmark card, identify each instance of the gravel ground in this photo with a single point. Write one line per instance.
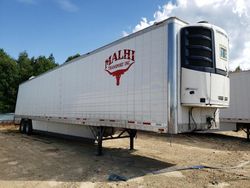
(157, 161)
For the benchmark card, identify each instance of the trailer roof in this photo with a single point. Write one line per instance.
(155, 25)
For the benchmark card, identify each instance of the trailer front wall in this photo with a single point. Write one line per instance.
(83, 89)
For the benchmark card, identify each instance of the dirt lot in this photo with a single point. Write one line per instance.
(157, 161)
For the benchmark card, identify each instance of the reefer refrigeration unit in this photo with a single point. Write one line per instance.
(238, 114)
(170, 78)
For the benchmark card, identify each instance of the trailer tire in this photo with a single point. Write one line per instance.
(22, 127)
(28, 127)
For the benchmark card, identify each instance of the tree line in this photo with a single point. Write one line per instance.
(15, 71)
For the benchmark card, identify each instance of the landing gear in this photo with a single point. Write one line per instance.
(100, 131)
(131, 134)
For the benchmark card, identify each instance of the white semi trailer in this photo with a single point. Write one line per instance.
(170, 78)
(237, 116)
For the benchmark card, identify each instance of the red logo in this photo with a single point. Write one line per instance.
(120, 62)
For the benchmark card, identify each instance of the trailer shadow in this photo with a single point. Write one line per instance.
(45, 158)
(218, 141)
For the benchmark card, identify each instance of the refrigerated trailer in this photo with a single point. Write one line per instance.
(171, 77)
(237, 116)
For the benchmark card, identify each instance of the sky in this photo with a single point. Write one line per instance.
(67, 27)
